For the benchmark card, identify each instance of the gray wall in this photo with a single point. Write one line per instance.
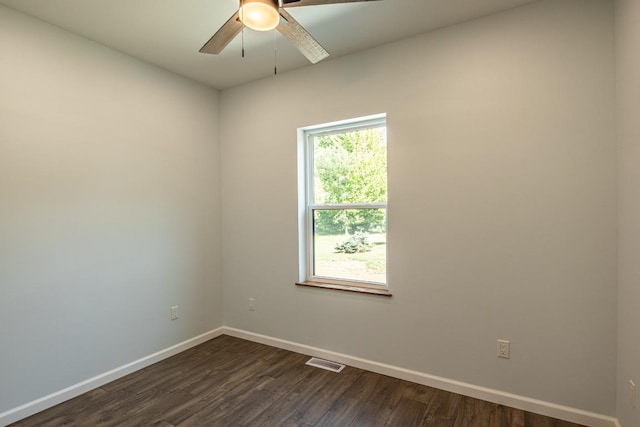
(109, 209)
(628, 113)
(502, 203)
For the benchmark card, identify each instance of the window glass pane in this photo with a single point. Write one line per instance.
(350, 167)
(350, 244)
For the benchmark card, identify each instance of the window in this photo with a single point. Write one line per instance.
(344, 204)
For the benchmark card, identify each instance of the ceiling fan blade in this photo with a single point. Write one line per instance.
(223, 36)
(295, 3)
(301, 39)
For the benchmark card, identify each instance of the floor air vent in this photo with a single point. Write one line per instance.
(325, 364)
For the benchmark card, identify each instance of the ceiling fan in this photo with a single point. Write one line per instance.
(265, 15)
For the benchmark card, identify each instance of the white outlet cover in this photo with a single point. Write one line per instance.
(504, 349)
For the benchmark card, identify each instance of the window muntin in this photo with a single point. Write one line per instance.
(346, 203)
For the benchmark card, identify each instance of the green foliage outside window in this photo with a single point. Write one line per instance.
(350, 167)
(357, 243)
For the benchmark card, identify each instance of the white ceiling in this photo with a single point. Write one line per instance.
(169, 33)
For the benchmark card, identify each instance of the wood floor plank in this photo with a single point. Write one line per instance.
(341, 413)
(516, 418)
(348, 409)
(442, 408)
(232, 382)
(502, 416)
(378, 408)
(299, 399)
(408, 412)
(320, 401)
(473, 413)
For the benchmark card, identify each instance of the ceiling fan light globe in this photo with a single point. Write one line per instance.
(259, 15)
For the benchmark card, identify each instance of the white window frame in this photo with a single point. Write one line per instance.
(306, 198)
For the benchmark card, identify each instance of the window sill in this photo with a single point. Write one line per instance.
(344, 288)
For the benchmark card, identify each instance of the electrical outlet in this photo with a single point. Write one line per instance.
(504, 349)
(252, 304)
(174, 312)
(632, 389)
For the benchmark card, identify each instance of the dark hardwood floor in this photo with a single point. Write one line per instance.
(231, 382)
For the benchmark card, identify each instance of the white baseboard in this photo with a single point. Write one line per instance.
(508, 399)
(53, 399)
